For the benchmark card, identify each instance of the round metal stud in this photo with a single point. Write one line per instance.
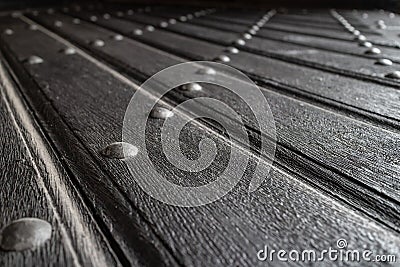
(206, 71)
(26, 233)
(137, 32)
(240, 42)
(384, 62)
(223, 58)
(161, 113)
(58, 23)
(247, 36)
(182, 18)
(172, 21)
(393, 75)
(361, 38)
(232, 50)
(33, 27)
(191, 87)
(130, 12)
(163, 24)
(255, 27)
(98, 43)
(118, 37)
(69, 51)
(189, 16)
(106, 16)
(253, 32)
(34, 60)
(366, 44)
(119, 150)
(50, 11)
(76, 21)
(93, 18)
(120, 14)
(8, 32)
(373, 50)
(150, 28)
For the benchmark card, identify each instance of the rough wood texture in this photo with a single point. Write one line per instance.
(336, 170)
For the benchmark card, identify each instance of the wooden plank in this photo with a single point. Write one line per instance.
(229, 231)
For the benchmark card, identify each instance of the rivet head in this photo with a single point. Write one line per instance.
(223, 58)
(366, 44)
(34, 60)
(172, 21)
(240, 42)
(247, 36)
(130, 12)
(69, 51)
(76, 21)
(356, 32)
(255, 27)
(118, 37)
(191, 87)
(164, 24)
(161, 113)
(384, 62)
(393, 75)
(232, 50)
(35, 12)
(50, 11)
(182, 18)
(119, 150)
(8, 32)
(150, 28)
(106, 16)
(373, 50)
(253, 32)
(25, 233)
(361, 38)
(260, 24)
(58, 23)
(98, 43)
(189, 16)
(33, 27)
(93, 18)
(206, 71)
(382, 26)
(137, 32)
(120, 14)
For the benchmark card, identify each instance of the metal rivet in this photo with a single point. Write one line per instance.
(8, 32)
(150, 28)
(76, 21)
(118, 37)
(256, 28)
(393, 75)
(207, 70)
(69, 51)
(119, 150)
(191, 87)
(50, 11)
(16, 14)
(172, 21)
(34, 60)
(356, 32)
(120, 14)
(182, 18)
(33, 27)
(366, 44)
(384, 62)
(361, 38)
(137, 32)
(382, 26)
(161, 113)
(130, 12)
(253, 32)
(232, 50)
(247, 36)
(189, 16)
(223, 58)
(373, 50)
(26, 233)
(240, 42)
(35, 13)
(98, 43)
(93, 18)
(380, 22)
(58, 23)
(260, 24)
(164, 24)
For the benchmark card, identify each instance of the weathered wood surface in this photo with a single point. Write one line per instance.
(336, 170)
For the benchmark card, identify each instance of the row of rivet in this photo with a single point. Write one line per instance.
(362, 40)
(246, 36)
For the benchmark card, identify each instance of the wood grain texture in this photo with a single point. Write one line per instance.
(335, 175)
